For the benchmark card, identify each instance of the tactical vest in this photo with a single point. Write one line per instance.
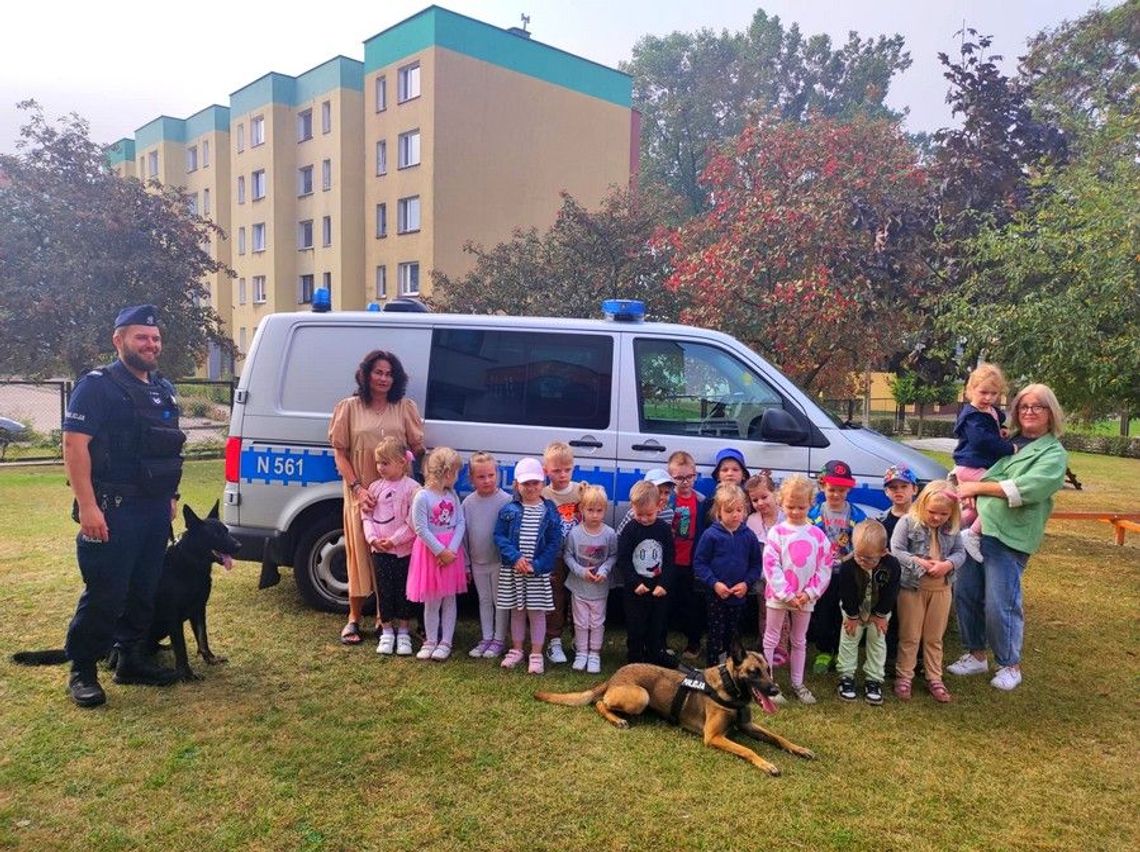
(139, 454)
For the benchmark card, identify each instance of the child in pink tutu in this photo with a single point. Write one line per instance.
(438, 571)
(797, 569)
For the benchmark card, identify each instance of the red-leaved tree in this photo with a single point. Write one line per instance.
(811, 251)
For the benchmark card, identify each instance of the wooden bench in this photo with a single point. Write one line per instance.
(1122, 522)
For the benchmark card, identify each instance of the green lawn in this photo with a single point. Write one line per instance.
(299, 742)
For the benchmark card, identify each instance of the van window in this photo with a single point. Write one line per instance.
(521, 378)
(696, 389)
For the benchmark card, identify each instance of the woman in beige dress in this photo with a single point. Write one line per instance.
(377, 410)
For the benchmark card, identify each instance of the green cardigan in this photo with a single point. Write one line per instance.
(1030, 478)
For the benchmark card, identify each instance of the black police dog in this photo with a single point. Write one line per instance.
(182, 595)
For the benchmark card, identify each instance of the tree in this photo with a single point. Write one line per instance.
(812, 251)
(908, 388)
(696, 90)
(586, 256)
(1055, 295)
(1081, 70)
(77, 243)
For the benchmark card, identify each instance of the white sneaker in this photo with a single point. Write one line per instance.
(387, 643)
(779, 699)
(403, 644)
(803, 694)
(554, 651)
(973, 544)
(442, 652)
(1006, 679)
(579, 663)
(425, 651)
(968, 664)
(594, 663)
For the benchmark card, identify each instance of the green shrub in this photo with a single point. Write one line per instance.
(931, 428)
(1106, 445)
(885, 425)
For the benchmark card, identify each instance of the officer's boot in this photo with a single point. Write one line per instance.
(136, 668)
(83, 685)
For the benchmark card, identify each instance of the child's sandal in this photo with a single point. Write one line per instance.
(903, 688)
(939, 691)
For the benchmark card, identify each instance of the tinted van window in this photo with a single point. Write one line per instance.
(694, 389)
(520, 377)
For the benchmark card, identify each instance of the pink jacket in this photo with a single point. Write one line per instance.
(796, 559)
(391, 516)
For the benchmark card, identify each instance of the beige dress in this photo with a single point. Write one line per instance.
(356, 430)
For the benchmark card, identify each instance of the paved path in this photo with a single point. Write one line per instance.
(941, 445)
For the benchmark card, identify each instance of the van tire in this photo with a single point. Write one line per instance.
(319, 564)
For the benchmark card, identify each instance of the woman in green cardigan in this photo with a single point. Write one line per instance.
(1015, 498)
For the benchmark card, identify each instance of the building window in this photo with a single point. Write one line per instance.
(205, 202)
(241, 338)
(241, 246)
(142, 166)
(259, 237)
(382, 157)
(326, 175)
(409, 153)
(305, 290)
(152, 164)
(205, 153)
(192, 158)
(305, 180)
(381, 220)
(241, 294)
(408, 214)
(304, 125)
(257, 179)
(241, 189)
(326, 116)
(240, 138)
(326, 281)
(192, 203)
(305, 234)
(408, 82)
(257, 131)
(381, 93)
(326, 230)
(259, 289)
(382, 282)
(408, 275)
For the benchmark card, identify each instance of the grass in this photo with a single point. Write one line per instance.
(301, 743)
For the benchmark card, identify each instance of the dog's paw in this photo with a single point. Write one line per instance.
(805, 753)
(622, 724)
(772, 770)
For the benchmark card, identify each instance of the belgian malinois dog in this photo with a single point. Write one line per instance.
(710, 702)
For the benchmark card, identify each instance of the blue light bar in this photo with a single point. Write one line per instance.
(624, 310)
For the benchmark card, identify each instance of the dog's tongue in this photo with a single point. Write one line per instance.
(226, 560)
(766, 703)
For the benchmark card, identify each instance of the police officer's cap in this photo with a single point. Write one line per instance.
(137, 315)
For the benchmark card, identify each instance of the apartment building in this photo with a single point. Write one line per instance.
(363, 177)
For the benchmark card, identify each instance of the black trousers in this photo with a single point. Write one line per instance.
(724, 626)
(646, 622)
(121, 579)
(391, 575)
(826, 622)
(687, 605)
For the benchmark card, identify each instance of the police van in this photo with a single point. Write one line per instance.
(623, 392)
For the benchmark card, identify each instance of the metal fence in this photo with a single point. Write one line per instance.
(887, 416)
(38, 409)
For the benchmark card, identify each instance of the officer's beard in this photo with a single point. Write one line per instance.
(136, 361)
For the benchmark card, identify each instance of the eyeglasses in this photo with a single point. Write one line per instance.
(1031, 408)
(682, 480)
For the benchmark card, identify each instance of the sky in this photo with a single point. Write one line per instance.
(122, 66)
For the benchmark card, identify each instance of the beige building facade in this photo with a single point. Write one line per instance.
(363, 177)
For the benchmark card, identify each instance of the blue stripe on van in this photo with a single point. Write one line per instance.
(287, 466)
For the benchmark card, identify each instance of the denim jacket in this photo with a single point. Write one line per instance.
(911, 539)
(547, 547)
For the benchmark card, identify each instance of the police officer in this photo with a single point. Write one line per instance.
(122, 450)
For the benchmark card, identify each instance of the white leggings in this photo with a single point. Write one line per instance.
(439, 619)
(492, 621)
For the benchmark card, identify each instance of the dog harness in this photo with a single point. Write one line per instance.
(693, 680)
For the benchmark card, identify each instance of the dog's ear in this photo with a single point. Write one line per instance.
(214, 511)
(736, 651)
(189, 517)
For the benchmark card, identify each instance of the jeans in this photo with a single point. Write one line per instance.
(988, 599)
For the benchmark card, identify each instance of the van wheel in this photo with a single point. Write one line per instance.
(319, 565)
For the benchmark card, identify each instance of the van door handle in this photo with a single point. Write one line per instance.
(651, 448)
(583, 442)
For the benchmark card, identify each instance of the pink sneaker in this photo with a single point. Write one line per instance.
(536, 665)
(512, 659)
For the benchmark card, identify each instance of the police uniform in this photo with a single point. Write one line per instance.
(136, 466)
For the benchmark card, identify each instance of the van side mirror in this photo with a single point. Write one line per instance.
(778, 427)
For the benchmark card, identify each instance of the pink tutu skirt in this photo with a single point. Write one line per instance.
(428, 579)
